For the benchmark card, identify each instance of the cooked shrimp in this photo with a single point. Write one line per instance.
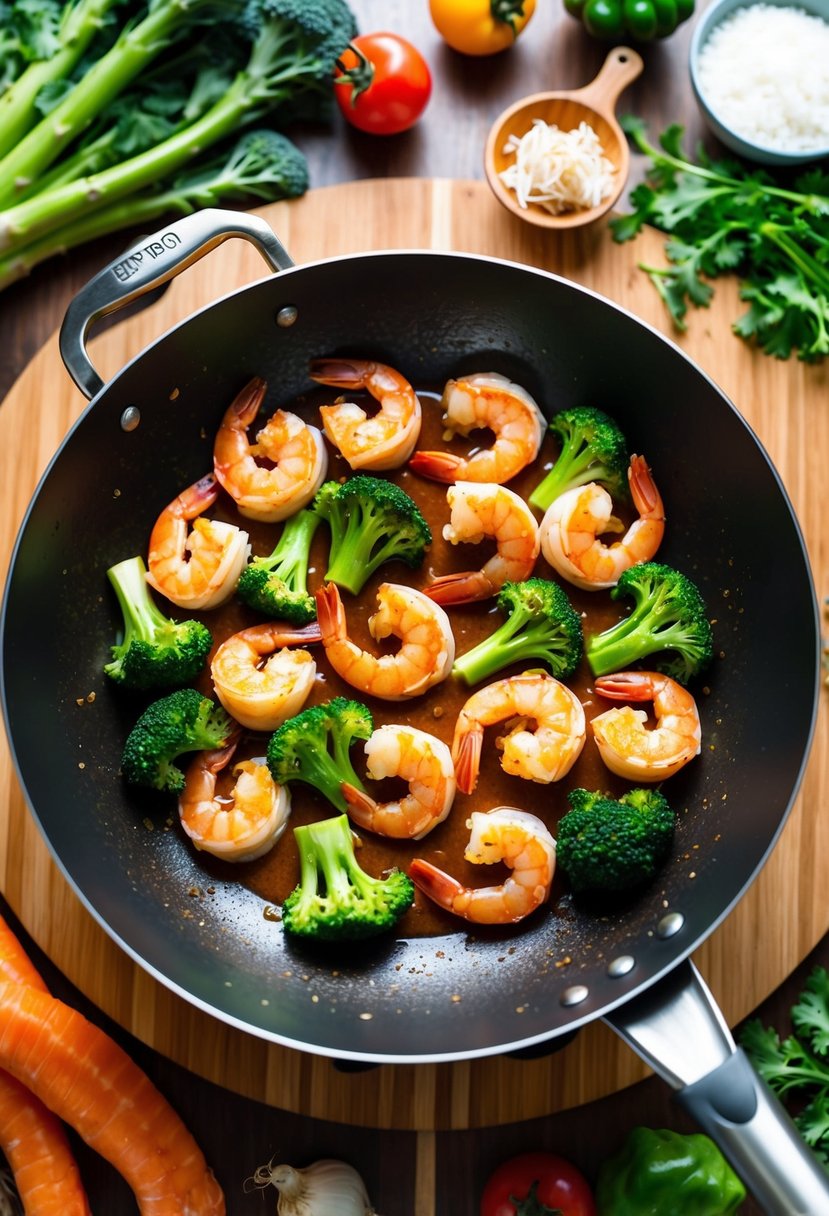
(426, 653)
(544, 754)
(420, 759)
(627, 746)
(518, 839)
(258, 679)
(198, 568)
(478, 512)
(574, 522)
(278, 474)
(245, 824)
(490, 401)
(32, 1138)
(93, 1085)
(385, 440)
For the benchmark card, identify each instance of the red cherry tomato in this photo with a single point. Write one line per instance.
(559, 1186)
(384, 87)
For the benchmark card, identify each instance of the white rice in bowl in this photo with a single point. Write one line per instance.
(764, 71)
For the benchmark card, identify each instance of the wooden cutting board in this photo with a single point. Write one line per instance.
(787, 404)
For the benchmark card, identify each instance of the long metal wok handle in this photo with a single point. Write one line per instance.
(676, 1027)
(152, 261)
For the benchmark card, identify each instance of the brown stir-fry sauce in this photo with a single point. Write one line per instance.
(273, 876)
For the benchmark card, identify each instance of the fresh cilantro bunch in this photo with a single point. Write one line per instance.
(797, 1067)
(726, 218)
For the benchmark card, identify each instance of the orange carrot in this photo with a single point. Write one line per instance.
(33, 1139)
(36, 1148)
(94, 1086)
(15, 963)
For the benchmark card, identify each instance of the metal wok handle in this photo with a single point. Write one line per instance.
(676, 1027)
(152, 261)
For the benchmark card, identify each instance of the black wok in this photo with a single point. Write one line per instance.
(431, 315)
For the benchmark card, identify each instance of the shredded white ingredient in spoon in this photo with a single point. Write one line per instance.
(558, 170)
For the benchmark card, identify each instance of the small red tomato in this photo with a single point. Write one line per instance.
(554, 1184)
(382, 84)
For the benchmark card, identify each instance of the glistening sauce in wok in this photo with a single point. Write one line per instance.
(273, 876)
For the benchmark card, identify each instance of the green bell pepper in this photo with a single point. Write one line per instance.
(665, 1173)
(639, 20)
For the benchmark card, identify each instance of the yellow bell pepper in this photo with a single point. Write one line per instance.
(480, 27)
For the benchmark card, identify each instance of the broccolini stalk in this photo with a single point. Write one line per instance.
(18, 111)
(292, 57)
(262, 164)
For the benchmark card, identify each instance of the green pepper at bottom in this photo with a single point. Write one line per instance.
(666, 1173)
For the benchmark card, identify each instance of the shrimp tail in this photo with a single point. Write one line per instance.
(247, 403)
(339, 373)
(466, 754)
(361, 806)
(440, 887)
(626, 686)
(197, 497)
(291, 635)
(437, 466)
(465, 588)
(643, 491)
(331, 614)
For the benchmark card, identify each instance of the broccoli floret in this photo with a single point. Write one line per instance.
(372, 521)
(278, 585)
(156, 652)
(592, 449)
(183, 721)
(605, 844)
(313, 747)
(541, 624)
(669, 614)
(336, 899)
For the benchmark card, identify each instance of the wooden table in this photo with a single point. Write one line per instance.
(425, 1173)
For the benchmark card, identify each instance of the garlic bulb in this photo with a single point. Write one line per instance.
(326, 1188)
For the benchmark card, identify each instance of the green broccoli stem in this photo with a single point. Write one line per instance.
(628, 642)
(327, 773)
(508, 644)
(364, 545)
(142, 615)
(290, 556)
(108, 77)
(178, 200)
(240, 104)
(18, 111)
(572, 468)
(334, 849)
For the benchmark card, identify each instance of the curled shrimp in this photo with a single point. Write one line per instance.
(628, 747)
(385, 440)
(533, 699)
(422, 760)
(258, 679)
(574, 522)
(281, 472)
(245, 824)
(487, 511)
(198, 567)
(486, 400)
(518, 839)
(426, 653)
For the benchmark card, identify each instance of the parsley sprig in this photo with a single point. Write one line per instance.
(724, 218)
(797, 1067)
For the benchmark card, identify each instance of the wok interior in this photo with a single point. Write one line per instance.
(431, 315)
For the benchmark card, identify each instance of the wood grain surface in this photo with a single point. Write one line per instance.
(784, 403)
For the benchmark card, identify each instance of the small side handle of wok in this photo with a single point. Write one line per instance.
(152, 261)
(677, 1028)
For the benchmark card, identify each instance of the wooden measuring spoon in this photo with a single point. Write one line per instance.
(595, 104)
